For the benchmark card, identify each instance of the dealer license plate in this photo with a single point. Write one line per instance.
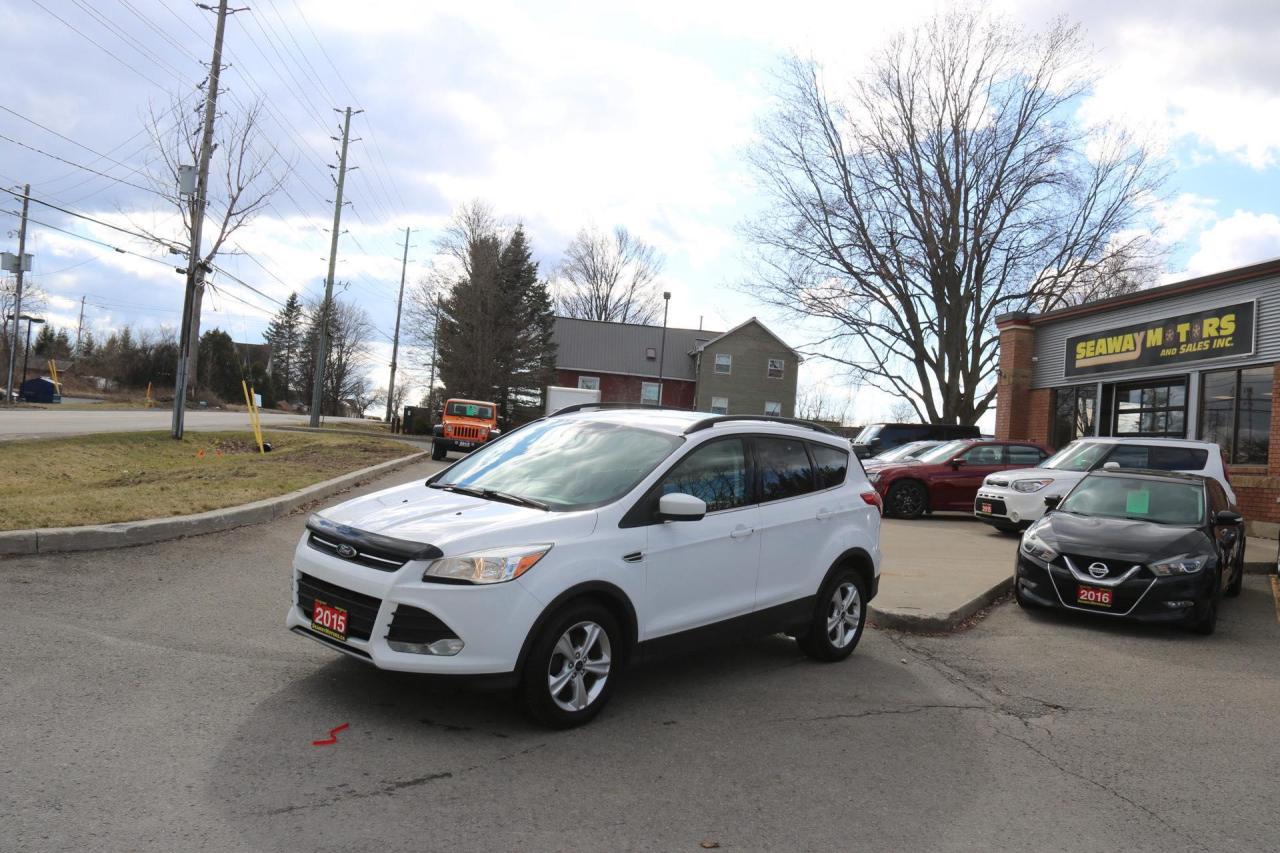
(463, 443)
(329, 620)
(1094, 595)
(986, 508)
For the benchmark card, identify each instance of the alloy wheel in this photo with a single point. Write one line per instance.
(579, 666)
(844, 615)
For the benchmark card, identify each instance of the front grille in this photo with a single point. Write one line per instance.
(1115, 568)
(362, 610)
(414, 625)
(468, 433)
(374, 558)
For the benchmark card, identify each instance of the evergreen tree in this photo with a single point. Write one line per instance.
(527, 320)
(44, 342)
(285, 334)
(220, 366)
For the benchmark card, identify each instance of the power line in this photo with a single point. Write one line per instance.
(96, 221)
(85, 168)
(90, 239)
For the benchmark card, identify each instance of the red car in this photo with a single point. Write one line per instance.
(947, 477)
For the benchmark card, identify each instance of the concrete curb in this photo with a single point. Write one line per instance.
(926, 622)
(415, 439)
(123, 534)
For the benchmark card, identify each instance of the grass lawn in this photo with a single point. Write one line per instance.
(95, 479)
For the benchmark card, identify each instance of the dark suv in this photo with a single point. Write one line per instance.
(877, 438)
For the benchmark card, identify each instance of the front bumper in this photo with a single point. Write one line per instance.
(492, 621)
(1143, 596)
(1005, 505)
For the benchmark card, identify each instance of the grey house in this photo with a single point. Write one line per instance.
(746, 371)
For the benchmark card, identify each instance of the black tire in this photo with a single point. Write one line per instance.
(1206, 618)
(1008, 529)
(908, 499)
(818, 642)
(1237, 580)
(547, 653)
(438, 451)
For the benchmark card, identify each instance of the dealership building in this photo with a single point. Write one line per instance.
(1195, 359)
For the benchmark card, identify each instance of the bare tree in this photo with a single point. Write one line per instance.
(948, 187)
(609, 277)
(240, 184)
(816, 403)
(33, 302)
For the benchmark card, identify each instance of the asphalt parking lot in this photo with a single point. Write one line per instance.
(153, 701)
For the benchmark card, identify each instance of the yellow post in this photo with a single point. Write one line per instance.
(149, 400)
(253, 421)
(53, 374)
(257, 420)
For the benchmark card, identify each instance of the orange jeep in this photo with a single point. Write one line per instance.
(464, 425)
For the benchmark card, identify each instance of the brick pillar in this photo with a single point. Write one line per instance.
(1013, 384)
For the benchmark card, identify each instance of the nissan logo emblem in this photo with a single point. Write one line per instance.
(345, 550)
(1098, 570)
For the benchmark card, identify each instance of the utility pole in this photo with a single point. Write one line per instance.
(79, 327)
(322, 341)
(17, 298)
(195, 275)
(395, 341)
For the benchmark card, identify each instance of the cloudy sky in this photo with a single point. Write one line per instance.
(560, 115)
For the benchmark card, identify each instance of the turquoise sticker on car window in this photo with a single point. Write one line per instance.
(1137, 502)
(472, 411)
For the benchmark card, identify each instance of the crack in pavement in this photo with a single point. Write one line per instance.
(880, 712)
(390, 788)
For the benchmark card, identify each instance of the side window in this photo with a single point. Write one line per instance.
(1217, 497)
(830, 464)
(892, 435)
(983, 454)
(1177, 458)
(1023, 454)
(784, 468)
(719, 405)
(1129, 456)
(715, 472)
(724, 363)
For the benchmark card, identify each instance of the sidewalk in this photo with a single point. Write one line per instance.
(939, 570)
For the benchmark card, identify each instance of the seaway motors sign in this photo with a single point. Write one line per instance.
(1216, 333)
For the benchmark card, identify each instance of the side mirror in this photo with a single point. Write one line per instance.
(678, 506)
(957, 464)
(1052, 501)
(1227, 516)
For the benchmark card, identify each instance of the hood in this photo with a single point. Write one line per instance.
(1120, 538)
(1065, 478)
(456, 523)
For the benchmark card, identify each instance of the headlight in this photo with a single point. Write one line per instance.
(1034, 546)
(873, 476)
(1184, 564)
(1030, 485)
(493, 566)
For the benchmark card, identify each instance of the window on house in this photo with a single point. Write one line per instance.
(773, 409)
(590, 383)
(724, 362)
(1074, 410)
(1157, 410)
(777, 367)
(719, 405)
(1235, 412)
(650, 393)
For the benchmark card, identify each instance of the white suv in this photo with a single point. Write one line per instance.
(549, 557)
(1012, 500)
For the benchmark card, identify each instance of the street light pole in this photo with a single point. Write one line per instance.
(662, 353)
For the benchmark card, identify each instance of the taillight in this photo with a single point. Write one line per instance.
(873, 498)
(1226, 467)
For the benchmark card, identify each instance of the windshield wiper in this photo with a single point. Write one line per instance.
(492, 495)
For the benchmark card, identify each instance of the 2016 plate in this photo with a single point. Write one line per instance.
(1095, 595)
(329, 620)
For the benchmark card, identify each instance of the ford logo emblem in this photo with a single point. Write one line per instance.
(1098, 570)
(347, 552)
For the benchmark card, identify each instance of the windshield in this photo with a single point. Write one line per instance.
(868, 433)
(1077, 456)
(906, 451)
(942, 452)
(469, 410)
(1159, 501)
(563, 463)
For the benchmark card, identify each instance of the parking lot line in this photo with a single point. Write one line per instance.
(1275, 592)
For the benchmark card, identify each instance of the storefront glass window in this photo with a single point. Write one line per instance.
(1151, 410)
(1073, 413)
(1235, 412)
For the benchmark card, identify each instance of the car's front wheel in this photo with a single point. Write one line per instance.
(1206, 617)
(1237, 579)
(438, 451)
(907, 500)
(572, 666)
(838, 618)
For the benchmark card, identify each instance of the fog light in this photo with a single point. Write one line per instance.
(443, 648)
(1013, 516)
(1178, 604)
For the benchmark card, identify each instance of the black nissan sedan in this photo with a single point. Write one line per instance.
(1157, 546)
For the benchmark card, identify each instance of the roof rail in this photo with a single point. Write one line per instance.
(707, 423)
(582, 407)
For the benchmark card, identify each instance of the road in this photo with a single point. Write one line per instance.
(153, 701)
(34, 423)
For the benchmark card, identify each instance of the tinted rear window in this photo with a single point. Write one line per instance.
(784, 468)
(830, 464)
(1022, 454)
(1159, 458)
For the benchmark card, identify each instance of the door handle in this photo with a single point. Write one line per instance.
(741, 532)
(824, 514)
